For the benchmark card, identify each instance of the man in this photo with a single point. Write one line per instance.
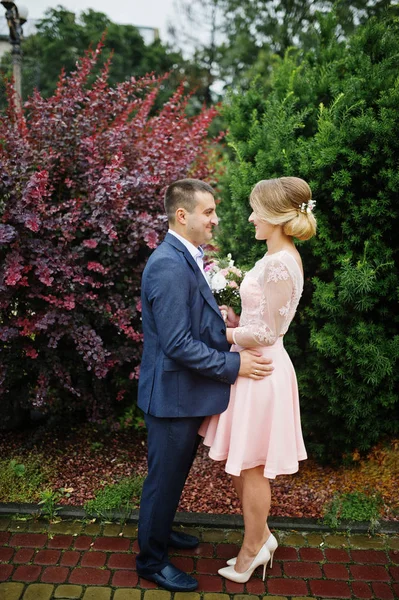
(185, 374)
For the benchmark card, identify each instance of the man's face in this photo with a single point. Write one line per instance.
(200, 223)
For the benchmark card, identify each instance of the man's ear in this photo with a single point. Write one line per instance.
(180, 216)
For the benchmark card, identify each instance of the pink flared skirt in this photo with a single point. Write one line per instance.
(262, 424)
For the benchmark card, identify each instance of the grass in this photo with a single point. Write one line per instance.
(122, 497)
(353, 507)
(22, 479)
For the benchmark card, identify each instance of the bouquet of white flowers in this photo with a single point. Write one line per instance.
(224, 280)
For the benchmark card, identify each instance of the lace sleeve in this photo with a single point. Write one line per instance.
(264, 325)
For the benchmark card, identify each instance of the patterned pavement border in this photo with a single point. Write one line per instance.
(78, 560)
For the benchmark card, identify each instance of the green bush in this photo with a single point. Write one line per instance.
(331, 117)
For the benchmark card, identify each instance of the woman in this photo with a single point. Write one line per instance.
(259, 435)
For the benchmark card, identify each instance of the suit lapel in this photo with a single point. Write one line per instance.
(202, 284)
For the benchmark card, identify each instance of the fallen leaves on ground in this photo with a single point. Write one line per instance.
(85, 460)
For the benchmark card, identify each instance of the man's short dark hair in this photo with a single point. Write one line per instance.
(181, 194)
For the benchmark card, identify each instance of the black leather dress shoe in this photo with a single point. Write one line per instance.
(173, 579)
(179, 539)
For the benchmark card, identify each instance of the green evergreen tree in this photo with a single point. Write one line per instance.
(330, 116)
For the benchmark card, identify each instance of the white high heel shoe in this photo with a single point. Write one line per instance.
(271, 544)
(262, 558)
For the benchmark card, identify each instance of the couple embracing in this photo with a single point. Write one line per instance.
(231, 382)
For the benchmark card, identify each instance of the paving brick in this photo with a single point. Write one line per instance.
(93, 559)
(68, 592)
(330, 589)
(234, 537)
(234, 588)
(66, 528)
(256, 586)
(27, 573)
(11, 591)
(314, 539)
(28, 540)
(293, 539)
(377, 557)
(146, 584)
(130, 531)
(60, 542)
(337, 555)
(382, 591)
(311, 554)
(366, 542)
(394, 556)
(128, 594)
(126, 579)
(112, 529)
(227, 551)
(287, 587)
(202, 550)
(210, 565)
(302, 569)
(283, 553)
(335, 540)
(393, 542)
(184, 596)
(38, 526)
(361, 589)
(369, 573)
(97, 594)
(4, 537)
(55, 575)
(216, 597)
(4, 523)
(6, 554)
(395, 588)
(243, 597)
(336, 571)
(89, 576)
(70, 558)
(135, 548)
(157, 595)
(92, 529)
(184, 563)
(111, 544)
(5, 572)
(83, 542)
(122, 561)
(394, 571)
(209, 583)
(39, 591)
(47, 557)
(23, 555)
(214, 535)
(276, 570)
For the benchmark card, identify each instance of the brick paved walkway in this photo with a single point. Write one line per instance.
(89, 561)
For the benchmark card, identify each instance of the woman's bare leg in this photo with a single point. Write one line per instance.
(256, 498)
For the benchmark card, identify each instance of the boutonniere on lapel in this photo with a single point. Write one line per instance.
(224, 279)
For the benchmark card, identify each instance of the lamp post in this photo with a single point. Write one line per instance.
(16, 17)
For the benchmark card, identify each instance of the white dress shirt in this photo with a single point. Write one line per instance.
(196, 253)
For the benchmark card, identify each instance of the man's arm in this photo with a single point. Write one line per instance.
(167, 288)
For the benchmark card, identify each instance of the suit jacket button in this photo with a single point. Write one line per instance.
(223, 331)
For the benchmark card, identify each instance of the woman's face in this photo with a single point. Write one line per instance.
(263, 229)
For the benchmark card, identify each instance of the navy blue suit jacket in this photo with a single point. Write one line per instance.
(186, 368)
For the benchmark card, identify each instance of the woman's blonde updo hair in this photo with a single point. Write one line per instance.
(279, 202)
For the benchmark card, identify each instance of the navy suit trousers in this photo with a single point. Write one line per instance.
(172, 445)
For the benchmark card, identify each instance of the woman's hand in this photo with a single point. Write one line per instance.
(229, 316)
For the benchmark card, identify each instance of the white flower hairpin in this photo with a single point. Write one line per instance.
(307, 206)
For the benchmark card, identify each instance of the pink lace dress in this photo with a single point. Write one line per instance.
(262, 425)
